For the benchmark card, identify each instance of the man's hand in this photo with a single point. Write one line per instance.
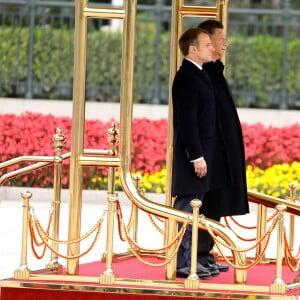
(200, 168)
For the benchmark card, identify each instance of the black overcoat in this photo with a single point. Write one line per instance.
(196, 133)
(231, 200)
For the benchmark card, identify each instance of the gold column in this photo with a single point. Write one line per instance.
(77, 134)
(261, 229)
(222, 8)
(278, 285)
(193, 280)
(292, 198)
(59, 141)
(108, 275)
(135, 211)
(171, 224)
(23, 271)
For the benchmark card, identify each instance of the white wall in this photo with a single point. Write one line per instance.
(108, 111)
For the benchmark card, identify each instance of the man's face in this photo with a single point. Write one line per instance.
(219, 41)
(205, 49)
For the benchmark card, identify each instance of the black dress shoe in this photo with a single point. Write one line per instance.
(210, 268)
(185, 272)
(220, 268)
(202, 272)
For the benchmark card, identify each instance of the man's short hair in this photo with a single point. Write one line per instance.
(211, 25)
(189, 38)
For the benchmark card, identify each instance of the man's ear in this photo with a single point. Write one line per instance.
(192, 49)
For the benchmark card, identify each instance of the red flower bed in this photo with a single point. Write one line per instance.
(31, 134)
(266, 146)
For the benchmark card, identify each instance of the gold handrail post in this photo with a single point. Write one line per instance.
(58, 143)
(135, 212)
(292, 197)
(23, 271)
(108, 276)
(112, 135)
(261, 229)
(278, 285)
(193, 280)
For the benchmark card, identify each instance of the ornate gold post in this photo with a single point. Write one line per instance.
(292, 197)
(23, 271)
(58, 143)
(261, 229)
(193, 280)
(278, 285)
(135, 215)
(112, 135)
(108, 276)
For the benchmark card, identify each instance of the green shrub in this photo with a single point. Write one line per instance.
(254, 66)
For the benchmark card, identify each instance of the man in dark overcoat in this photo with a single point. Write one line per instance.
(200, 164)
(231, 200)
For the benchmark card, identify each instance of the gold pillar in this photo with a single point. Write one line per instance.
(108, 275)
(193, 280)
(292, 188)
(77, 134)
(171, 224)
(23, 271)
(278, 285)
(261, 229)
(58, 143)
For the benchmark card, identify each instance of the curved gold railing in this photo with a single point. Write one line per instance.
(270, 201)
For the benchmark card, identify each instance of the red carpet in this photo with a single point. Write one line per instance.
(263, 274)
(132, 268)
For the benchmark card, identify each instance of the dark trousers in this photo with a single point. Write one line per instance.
(205, 242)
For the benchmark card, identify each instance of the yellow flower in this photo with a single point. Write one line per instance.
(272, 181)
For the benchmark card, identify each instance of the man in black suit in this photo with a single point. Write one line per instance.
(232, 199)
(200, 166)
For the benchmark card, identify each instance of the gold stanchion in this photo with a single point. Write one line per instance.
(108, 276)
(23, 271)
(261, 231)
(293, 197)
(278, 285)
(135, 212)
(292, 188)
(193, 280)
(58, 143)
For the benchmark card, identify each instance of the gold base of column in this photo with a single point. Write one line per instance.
(192, 282)
(22, 274)
(53, 265)
(108, 277)
(278, 287)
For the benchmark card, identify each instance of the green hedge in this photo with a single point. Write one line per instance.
(254, 65)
